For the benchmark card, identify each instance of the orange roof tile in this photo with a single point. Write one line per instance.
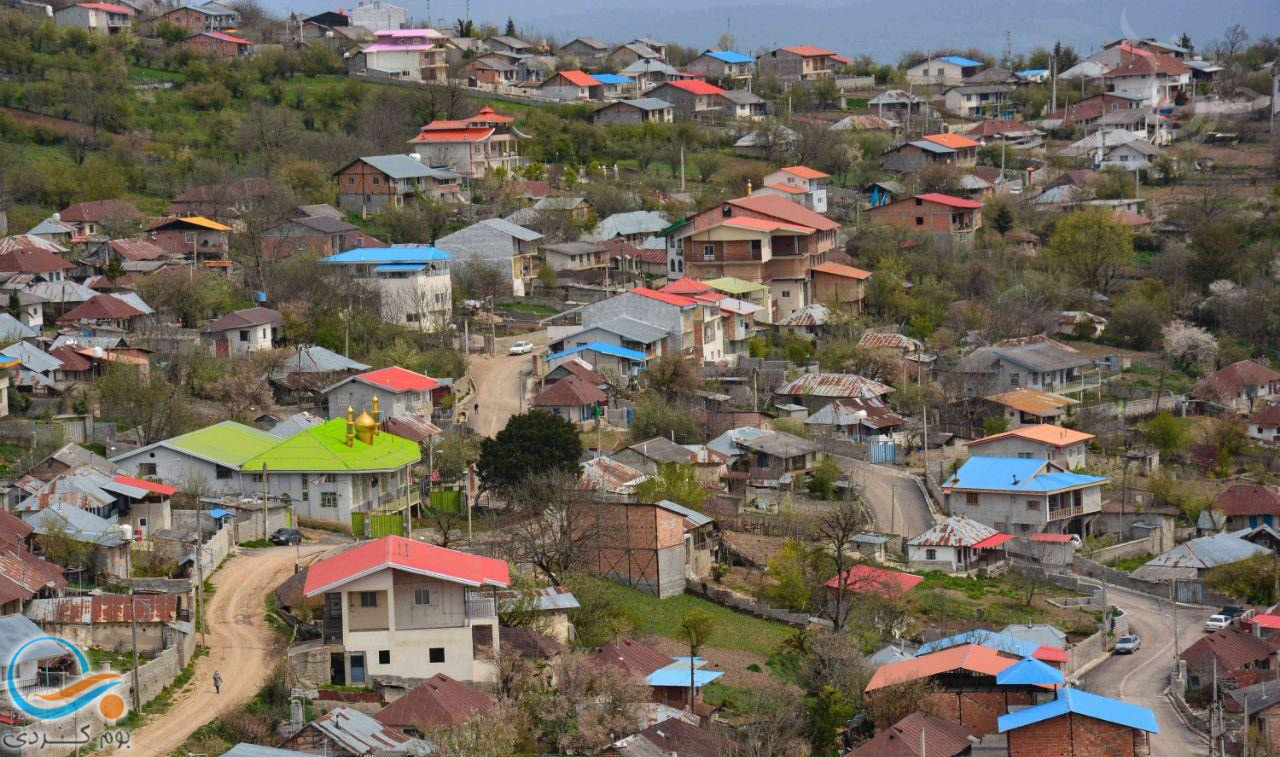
(967, 657)
(697, 87)
(576, 78)
(1046, 433)
(431, 134)
(840, 269)
(805, 172)
(954, 141)
(807, 51)
(787, 188)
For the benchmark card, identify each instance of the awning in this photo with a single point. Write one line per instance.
(1266, 621)
(217, 514)
(1052, 538)
(991, 542)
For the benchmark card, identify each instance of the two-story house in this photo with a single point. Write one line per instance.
(1237, 386)
(589, 51)
(949, 69)
(801, 184)
(1064, 447)
(506, 247)
(1160, 80)
(571, 86)
(244, 331)
(840, 284)
(723, 66)
(93, 218)
(208, 17)
(103, 18)
(413, 282)
(966, 150)
(1024, 495)
(1042, 365)
(472, 146)
(667, 324)
(409, 610)
(397, 391)
(193, 237)
(981, 100)
(796, 64)
(763, 239)
(932, 213)
(410, 54)
(374, 182)
(690, 98)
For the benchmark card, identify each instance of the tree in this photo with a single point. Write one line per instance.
(1092, 246)
(696, 628)
(1167, 433)
(889, 704)
(14, 307)
(674, 376)
(1002, 218)
(417, 222)
(147, 402)
(1234, 39)
(560, 528)
(1187, 345)
(510, 31)
(835, 531)
(794, 578)
(822, 483)
(453, 454)
(994, 424)
(828, 712)
(773, 724)
(496, 733)
(654, 416)
(599, 617)
(531, 444)
(676, 482)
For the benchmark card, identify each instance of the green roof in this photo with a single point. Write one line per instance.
(227, 443)
(324, 448)
(731, 285)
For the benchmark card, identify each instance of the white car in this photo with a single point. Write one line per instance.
(1128, 644)
(1216, 623)
(520, 348)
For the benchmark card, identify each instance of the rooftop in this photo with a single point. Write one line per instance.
(407, 555)
(834, 385)
(1078, 702)
(970, 658)
(1016, 474)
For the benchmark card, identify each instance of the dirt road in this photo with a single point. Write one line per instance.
(498, 383)
(241, 647)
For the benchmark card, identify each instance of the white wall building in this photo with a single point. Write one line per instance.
(413, 282)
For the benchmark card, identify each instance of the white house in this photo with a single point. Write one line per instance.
(1061, 446)
(951, 70)
(244, 331)
(499, 244)
(1024, 496)
(956, 545)
(410, 610)
(105, 18)
(15, 631)
(377, 15)
(800, 184)
(1158, 79)
(413, 282)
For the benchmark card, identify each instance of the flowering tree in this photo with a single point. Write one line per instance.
(1186, 344)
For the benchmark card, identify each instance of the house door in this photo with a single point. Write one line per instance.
(142, 528)
(355, 661)
(337, 672)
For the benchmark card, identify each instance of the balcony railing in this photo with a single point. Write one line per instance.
(480, 606)
(1066, 512)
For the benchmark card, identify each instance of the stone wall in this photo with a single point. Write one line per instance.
(1123, 550)
(726, 598)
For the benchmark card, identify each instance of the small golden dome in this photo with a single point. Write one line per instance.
(365, 421)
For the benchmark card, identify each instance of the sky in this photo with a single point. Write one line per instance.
(854, 27)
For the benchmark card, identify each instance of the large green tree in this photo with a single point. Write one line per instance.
(1092, 246)
(532, 443)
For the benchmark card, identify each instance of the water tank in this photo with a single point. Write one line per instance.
(97, 351)
(126, 530)
(261, 297)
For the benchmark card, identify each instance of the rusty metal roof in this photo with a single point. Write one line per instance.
(611, 476)
(956, 531)
(873, 341)
(834, 385)
(105, 608)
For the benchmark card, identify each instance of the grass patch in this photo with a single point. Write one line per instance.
(529, 307)
(1129, 564)
(718, 694)
(120, 662)
(347, 689)
(256, 544)
(273, 617)
(733, 630)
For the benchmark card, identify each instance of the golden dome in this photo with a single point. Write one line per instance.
(365, 421)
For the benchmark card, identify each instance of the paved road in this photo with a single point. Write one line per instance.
(896, 502)
(498, 386)
(1142, 678)
(241, 647)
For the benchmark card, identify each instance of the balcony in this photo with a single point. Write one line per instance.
(480, 606)
(1066, 512)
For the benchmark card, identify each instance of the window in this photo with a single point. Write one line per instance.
(931, 554)
(1033, 505)
(351, 181)
(244, 335)
(1015, 379)
(222, 472)
(786, 294)
(919, 202)
(919, 220)
(756, 247)
(971, 499)
(368, 599)
(422, 596)
(726, 211)
(1025, 455)
(328, 499)
(384, 656)
(146, 469)
(377, 180)
(708, 251)
(435, 654)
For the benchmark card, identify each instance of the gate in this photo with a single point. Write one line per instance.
(357, 525)
(446, 500)
(386, 524)
(882, 452)
(1191, 592)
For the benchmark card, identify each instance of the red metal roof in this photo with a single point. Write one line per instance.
(955, 202)
(807, 51)
(1050, 654)
(151, 486)
(685, 285)
(1052, 538)
(971, 658)
(696, 87)
(95, 211)
(108, 7)
(228, 38)
(1232, 647)
(1266, 621)
(399, 553)
(670, 299)
(763, 224)
(632, 656)
(398, 379)
(870, 579)
(993, 541)
(1226, 383)
(438, 702)
(943, 738)
(787, 188)
(1248, 499)
(458, 134)
(101, 307)
(805, 172)
(954, 141)
(570, 391)
(106, 608)
(1147, 65)
(785, 210)
(488, 115)
(31, 260)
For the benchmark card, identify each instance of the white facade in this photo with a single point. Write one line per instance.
(1155, 89)
(94, 19)
(935, 71)
(1070, 456)
(815, 197)
(377, 15)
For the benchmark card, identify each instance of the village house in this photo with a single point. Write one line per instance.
(668, 678)
(797, 64)
(472, 146)
(760, 455)
(416, 55)
(344, 732)
(570, 86)
(193, 238)
(91, 219)
(932, 213)
(403, 608)
(800, 184)
(590, 51)
(573, 399)
(1021, 496)
(1080, 724)
(376, 182)
(105, 311)
(956, 545)
(655, 548)
(413, 282)
(1248, 506)
(1196, 559)
(218, 45)
(111, 621)
(23, 649)
(1160, 80)
(104, 18)
(637, 111)
(26, 576)
(1231, 649)
(1044, 365)
(507, 44)
(949, 70)
(626, 54)
(1063, 447)
(724, 66)
(816, 390)
(650, 455)
(690, 99)
(974, 101)
(743, 104)
(436, 703)
(244, 331)
(647, 74)
(495, 243)
(311, 235)
(209, 17)
(943, 737)
(575, 256)
(1237, 386)
(857, 420)
(395, 390)
(839, 284)
(1029, 407)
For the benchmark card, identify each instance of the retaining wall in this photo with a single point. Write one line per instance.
(1135, 548)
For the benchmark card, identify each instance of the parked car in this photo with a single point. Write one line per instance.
(1128, 644)
(1216, 623)
(521, 348)
(1231, 611)
(284, 536)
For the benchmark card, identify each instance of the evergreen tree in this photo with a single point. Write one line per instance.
(510, 31)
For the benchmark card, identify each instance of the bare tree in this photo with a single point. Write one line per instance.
(562, 526)
(772, 725)
(264, 233)
(835, 530)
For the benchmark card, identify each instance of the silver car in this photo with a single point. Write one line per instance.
(1128, 644)
(520, 348)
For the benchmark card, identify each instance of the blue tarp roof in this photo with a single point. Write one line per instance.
(1030, 72)
(983, 638)
(1030, 672)
(602, 348)
(219, 513)
(729, 56)
(1082, 703)
(957, 60)
(399, 268)
(612, 79)
(1010, 474)
(423, 254)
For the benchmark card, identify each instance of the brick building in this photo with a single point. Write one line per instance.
(654, 548)
(1079, 724)
(203, 18)
(375, 182)
(217, 44)
(932, 213)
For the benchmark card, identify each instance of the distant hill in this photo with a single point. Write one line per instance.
(855, 27)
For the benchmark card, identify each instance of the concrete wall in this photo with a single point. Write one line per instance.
(1136, 548)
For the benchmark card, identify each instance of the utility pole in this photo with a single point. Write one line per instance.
(893, 506)
(1173, 613)
(1053, 64)
(682, 166)
(923, 753)
(133, 632)
(1245, 750)
(266, 495)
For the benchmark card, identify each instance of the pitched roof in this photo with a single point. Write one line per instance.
(1045, 433)
(645, 103)
(324, 448)
(137, 249)
(576, 78)
(1148, 65)
(735, 286)
(632, 656)
(101, 307)
(358, 733)
(834, 385)
(608, 475)
(956, 531)
(95, 211)
(22, 574)
(805, 172)
(1078, 702)
(1030, 672)
(785, 210)
(1248, 499)
(570, 391)
(960, 61)
(227, 443)
(672, 736)
(694, 87)
(243, 319)
(660, 449)
(879, 581)
(105, 608)
(955, 202)
(807, 51)
(438, 702)
(1004, 643)
(871, 412)
(942, 738)
(397, 166)
(1016, 474)
(397, 379)
(845, 271)
(1033, 401)
(971, 658)
(954, 141)
(406, 555)
(26, 259)
(668, 298)
(1198, 554)
(72, 361)
(530, 643)
(728, 56)
(1228, 381)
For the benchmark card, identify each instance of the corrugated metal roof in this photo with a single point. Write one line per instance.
(1030, 672)
(548, 598)
(398, 166)
(1207, 552)
(697, 518)
(16, 630)
(968, 657)
(77, 524)
(873, 413)
(608, 475)
(244, 749)
(360, 733)
(834, 385)
(808, 316)
(1071, 700)
(956, 531)
(1016, 474)
(105, 608)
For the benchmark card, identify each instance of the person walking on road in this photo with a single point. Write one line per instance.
(217, 682)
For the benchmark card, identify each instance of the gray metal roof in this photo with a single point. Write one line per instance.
(696, 517)
(296, 424)
(397, 166)
(780, 444)
(648, 65)
(80, 525)
(360, 734)
(32, 357)
(649, 103)
(515, 230)
(742, 97)
(16, 630)
(257, 750)
(314, 359)
(1204, 552)
(663, 450)
(630, 223)
(1037, 633)
(12, 328)
(629, 328)
(1042, 357)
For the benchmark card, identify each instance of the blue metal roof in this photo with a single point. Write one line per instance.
(679, 676)
(612, 79)
(423, 254)
(729, 56)
(1030, 72)
(1030, 672)
(219, 513)
(983, 638)
(1015, 474)
(602, 348)
(1082, 703)
(957, 60)
(399, 268)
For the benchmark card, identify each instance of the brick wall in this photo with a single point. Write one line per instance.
(977, 709)
(1076, 736)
